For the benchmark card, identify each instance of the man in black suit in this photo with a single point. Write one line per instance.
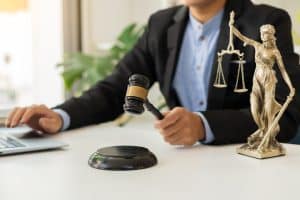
(226, 117)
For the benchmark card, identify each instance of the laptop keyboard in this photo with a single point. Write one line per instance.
(8, 142)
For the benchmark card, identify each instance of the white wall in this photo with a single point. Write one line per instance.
(292, 6)
(16, 72)
(47, 50)
(103, 20)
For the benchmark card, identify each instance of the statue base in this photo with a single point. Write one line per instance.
(247, 150)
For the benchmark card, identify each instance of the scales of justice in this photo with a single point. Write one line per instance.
(265, 110)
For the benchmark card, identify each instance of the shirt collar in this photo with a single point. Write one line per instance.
(208, 27)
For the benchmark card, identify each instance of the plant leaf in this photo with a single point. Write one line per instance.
(72, 75)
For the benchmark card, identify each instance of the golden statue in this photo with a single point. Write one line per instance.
(266, 111)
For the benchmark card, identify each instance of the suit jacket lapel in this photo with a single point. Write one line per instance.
(174, 39)
(216, 95)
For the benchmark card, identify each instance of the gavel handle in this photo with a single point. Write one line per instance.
(153, 110)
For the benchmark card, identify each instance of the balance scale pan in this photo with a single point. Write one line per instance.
(238, 61)
(240, 90)
(220, 85)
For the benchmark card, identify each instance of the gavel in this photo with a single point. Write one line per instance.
(136, 97)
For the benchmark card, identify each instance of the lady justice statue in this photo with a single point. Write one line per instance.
(266, 111)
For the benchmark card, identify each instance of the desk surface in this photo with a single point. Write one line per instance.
(200, 172)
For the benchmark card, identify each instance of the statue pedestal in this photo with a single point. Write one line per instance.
(268, 153)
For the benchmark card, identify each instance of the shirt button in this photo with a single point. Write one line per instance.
(202, 37)
(198, 67)
(201, 103)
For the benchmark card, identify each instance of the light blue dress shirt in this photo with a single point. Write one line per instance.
(195, 63)
(193, 71)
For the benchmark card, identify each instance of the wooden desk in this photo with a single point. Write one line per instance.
(200, 172)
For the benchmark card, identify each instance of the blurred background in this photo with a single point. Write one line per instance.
(51, 49)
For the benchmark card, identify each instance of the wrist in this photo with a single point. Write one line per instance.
(64, 119)
(200, 128)
(59, 123)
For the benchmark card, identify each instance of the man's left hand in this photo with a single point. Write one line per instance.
(181, 127)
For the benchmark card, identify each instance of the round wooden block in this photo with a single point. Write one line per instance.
(122, 158)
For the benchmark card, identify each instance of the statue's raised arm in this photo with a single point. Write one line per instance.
(245, 39)
(238, 34)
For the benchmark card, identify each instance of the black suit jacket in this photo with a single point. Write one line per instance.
(156, 54)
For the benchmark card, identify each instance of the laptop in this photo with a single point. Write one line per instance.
(27, 141)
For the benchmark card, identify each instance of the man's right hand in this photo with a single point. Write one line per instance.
(38, 118)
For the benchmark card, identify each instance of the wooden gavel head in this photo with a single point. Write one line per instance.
(136, 95)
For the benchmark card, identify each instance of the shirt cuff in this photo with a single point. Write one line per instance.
(209, 136)
(65, 118)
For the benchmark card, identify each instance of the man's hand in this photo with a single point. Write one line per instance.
(181, 127)
(39, 118)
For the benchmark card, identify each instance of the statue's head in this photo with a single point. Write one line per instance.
(267, 34)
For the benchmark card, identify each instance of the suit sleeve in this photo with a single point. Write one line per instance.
(104, 101)
(234, 126)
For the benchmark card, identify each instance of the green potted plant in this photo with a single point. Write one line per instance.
(80, 71)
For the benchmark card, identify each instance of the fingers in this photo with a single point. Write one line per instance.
(35, 111)
(18, 114)
(15, 116)
(181, 127)
(170, 118)
(172, 129)
(23, 115)
(10, 117)
(171, 126)
(174, 139)
(43, 119)
(37, 117)
(182, 137)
